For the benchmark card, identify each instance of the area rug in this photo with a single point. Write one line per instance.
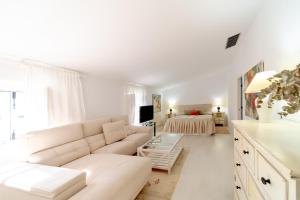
(162, 185)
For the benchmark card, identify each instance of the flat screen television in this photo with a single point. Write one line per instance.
(146, 113)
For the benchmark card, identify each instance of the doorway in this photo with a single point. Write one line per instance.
(240, 98)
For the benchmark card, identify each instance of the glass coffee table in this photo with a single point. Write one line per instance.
(163, 150)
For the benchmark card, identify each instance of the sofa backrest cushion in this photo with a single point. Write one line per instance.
(61, 155)
(94, 127)
(44, 139)
(95, 142)
(114, 131)
(129, 130)
(119, 118)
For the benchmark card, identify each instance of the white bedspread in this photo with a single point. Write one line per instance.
(190, 124)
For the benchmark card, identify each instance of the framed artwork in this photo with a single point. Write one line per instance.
(250, 108)
(156, 101)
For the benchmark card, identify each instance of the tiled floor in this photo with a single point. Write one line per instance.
(207, 173)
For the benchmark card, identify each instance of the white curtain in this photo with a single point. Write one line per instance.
(53, 96)
(65, 98)
(136, 97)
(130, 98)
(36, 98)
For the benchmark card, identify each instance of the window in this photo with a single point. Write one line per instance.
(11, 115)
(136, 97)
(139, 101)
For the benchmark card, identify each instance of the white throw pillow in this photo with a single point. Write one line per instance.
(129, 130)
(114, 131)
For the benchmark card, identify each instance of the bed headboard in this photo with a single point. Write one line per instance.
(206, 108)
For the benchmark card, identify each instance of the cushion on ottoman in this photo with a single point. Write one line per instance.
(33, 181)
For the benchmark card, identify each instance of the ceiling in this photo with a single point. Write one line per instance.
(151, 42)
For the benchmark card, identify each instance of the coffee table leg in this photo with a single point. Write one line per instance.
(169, 167)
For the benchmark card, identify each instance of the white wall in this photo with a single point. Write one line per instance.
(273, 38)
(106, 97)
(12, 75)
(103, 97)
(203, 89)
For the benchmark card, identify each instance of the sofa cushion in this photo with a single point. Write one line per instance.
(114, 131)
(129, 130)
(144, 129)
(138, 139)
(31, 181)
(119, 118)
(61, 155)
(95, 142)
(112, 176)
(93, 127)
(121, 147)
(44, 139)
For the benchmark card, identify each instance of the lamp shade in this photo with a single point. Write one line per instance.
(260, 81)
(171, 106)
(218, 102)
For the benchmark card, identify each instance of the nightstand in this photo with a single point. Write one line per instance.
(170, 115)
(219, 118)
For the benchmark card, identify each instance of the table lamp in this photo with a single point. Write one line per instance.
(218, 103)
(171, 107)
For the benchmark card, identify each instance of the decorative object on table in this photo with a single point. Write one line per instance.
(283, 86)
(260, 82)
(250, 108)
(156, 101)
(219, 118)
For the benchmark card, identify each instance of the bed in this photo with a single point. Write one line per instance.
(191, 124)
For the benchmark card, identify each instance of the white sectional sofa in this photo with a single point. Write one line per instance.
(79, 157)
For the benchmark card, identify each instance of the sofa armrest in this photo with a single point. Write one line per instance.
(144, 129)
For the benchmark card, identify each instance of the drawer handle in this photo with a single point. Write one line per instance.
(236, 139)
(238, 164)
(238, 187)
(245, 152)
(265, 181)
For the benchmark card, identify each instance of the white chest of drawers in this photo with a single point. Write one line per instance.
(266, 160)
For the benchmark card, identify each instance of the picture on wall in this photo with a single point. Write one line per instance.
(156, 101)
(250, 108)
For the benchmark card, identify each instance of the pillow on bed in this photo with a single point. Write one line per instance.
(187, 112)
(195, 112)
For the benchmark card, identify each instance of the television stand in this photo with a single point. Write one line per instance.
(151, 123)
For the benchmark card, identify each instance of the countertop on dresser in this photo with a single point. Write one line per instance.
(281, 138)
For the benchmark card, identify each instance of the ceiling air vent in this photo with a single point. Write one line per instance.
(231, 41)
